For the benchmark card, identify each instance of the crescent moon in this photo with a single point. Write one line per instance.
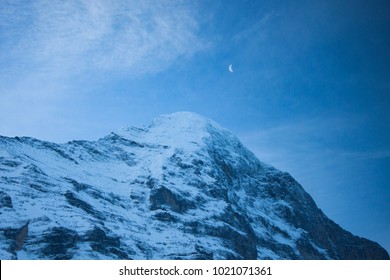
(231, 68)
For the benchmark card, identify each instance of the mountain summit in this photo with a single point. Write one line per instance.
(182, 188)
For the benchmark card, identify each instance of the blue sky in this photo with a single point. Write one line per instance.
(310, 92)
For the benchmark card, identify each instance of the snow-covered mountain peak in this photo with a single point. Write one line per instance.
(183, 130)
(181, 188)
(185, 121)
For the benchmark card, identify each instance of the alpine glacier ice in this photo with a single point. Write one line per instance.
(182, 188)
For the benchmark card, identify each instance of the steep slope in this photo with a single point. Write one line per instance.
(182, 188)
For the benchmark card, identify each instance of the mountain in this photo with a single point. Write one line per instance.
(182, 188)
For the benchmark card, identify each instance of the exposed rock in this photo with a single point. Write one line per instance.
(104, 244)
(20, 236)
(5, 200)
(163, 197)
(59, 243)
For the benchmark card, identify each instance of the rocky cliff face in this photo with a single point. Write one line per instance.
(182, 188)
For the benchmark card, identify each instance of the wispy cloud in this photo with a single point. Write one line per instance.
(378, 154)
(258, 27)
(311, 147)
(73, 36)
(53, 54)
(306, 133)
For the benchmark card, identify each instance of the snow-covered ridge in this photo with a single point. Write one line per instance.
(181, 188)
(180, 130)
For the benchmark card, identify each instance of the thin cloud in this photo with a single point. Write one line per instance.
(257, 27)
(378, 154)
(74, 36)
(315, 129)
(298, 145)
(52, 52)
